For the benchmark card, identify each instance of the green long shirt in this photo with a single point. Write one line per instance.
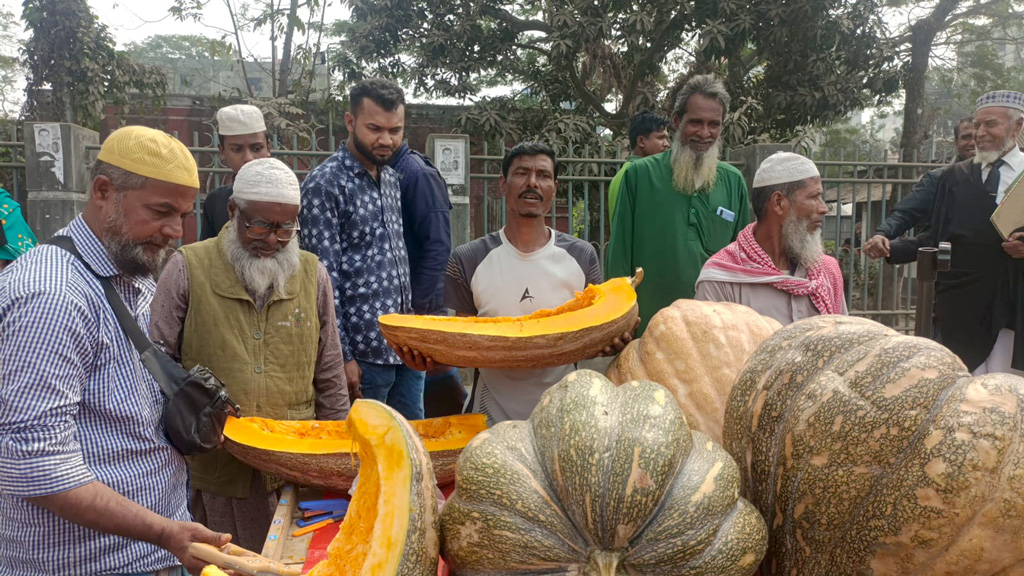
(671, 234)
(613, 188)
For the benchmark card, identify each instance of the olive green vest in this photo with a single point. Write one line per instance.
(265, 358)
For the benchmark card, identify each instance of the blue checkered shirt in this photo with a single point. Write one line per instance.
(77, 406)
(355, 226)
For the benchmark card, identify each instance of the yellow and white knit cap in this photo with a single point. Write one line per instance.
(266, 180)
(150, 153)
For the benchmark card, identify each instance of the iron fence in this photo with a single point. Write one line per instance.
(859, 189)
(12, 170)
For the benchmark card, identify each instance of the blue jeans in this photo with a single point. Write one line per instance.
(396, 385)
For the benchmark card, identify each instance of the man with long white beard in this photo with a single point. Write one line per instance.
(978, 305)
(90, 484)
(259, 313)
(677, 208)
(776, 266)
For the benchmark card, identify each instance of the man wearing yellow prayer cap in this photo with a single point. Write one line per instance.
(90, 484)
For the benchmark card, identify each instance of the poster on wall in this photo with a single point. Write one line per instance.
(450, 159)
(50, 155)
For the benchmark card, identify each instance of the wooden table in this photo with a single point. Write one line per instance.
(290, 550)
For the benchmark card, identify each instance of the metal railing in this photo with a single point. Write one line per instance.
(861, 190)
(12, 170)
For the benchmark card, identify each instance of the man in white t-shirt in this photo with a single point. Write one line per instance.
(524, 267)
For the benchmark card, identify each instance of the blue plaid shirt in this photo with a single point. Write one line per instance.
(77, 406)
(354, 225)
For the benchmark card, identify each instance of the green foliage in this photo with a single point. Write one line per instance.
(71, 53)
(11, 69)
(180, 47)
(788, 63)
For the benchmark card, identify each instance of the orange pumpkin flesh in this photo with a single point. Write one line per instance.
(574, 331)
(322, 454)
(391, 528)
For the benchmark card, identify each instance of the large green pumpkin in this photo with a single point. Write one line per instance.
(875, 454)
(600, 481)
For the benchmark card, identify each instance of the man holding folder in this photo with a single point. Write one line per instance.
(976, 301)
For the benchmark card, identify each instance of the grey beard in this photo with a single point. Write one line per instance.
(130, 258)
(802, 246)
(692, 172)
(260, 275)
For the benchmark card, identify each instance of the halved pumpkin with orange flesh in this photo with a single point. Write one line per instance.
(576, 330)
(391, 528)
(322, 454)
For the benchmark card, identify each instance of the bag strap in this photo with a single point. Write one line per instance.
(124, 317)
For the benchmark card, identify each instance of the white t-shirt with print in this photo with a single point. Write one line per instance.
(489, 277)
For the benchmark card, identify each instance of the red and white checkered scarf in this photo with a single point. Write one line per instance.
(745, 261)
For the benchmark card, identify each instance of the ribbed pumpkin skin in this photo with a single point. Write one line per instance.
(602, 480)
(696, 350)
(874, 454)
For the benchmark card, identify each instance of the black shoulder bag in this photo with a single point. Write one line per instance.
(197, 402)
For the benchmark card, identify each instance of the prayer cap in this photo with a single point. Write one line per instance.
(1002, 98)
(240, 119)
(783, 168)
(266, 180)
(150, 153)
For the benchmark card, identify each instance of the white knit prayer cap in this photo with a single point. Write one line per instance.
(783, 168)
(240, 119)
(266, 180)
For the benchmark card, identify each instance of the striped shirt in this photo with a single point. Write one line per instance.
(77, 406)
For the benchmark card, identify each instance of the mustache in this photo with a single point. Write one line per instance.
(531, 191)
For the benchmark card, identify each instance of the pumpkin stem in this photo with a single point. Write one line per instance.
(607, 562)
(637, 278)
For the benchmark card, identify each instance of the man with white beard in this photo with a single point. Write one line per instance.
(978, 301)
(677, 208)
(259, 313)
(776, 266)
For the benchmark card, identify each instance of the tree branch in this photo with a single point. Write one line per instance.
(584, 93)
(518, 24)
(654, 55)
(238, 43)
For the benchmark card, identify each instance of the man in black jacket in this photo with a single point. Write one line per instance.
(243, 137)
(977, 301)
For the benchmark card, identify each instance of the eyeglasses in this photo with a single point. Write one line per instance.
(257, 232)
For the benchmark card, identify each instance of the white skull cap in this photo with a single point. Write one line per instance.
(240, 119)
(266, 180)
(783, 168)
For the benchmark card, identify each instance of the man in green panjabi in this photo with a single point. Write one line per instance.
(15, 236)
(648, 135)
(678, 208)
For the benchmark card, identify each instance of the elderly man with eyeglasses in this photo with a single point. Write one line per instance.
(259, 312)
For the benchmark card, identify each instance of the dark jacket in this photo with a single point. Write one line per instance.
(914, 211)
(426, 225)
(215, 212)
(975, 299)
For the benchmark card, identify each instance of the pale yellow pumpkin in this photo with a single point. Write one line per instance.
(696, 350)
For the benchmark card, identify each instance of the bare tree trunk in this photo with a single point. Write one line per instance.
(238, 46)
(922, 37)
(273, 49)
(286, 52)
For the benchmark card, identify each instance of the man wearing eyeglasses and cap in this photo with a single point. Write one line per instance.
(259, 312)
